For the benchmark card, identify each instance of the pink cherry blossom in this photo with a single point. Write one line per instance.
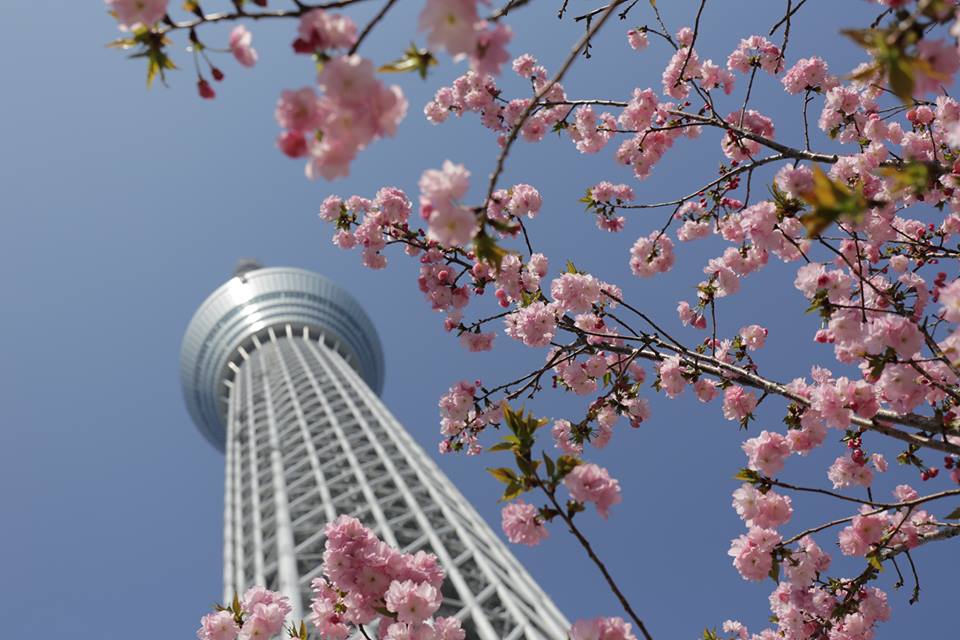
(240, 46)
(452, 225)
(866, 530)
(809, 559)
(673, 85)
(534, 325)
(522, 524)
(265, 622)
(575, 292)
(751, 553)
(524, 65)
(713, 76)
(705, 389)
(525, 200)
(690, 317)
(794, 180)
(844, 472)
(753, 336)
(324, 613)
(299, 110)
(672, 379)
(490, 50)
(448, 629)
(412, 602)
(450, 25)
(476, 342)
(355, 109)
(637, 39)
(218, 626)
(738, 404)
(320, 30)
(256, 597)
(138, 12)
(767, 452)
(458, 401)
(755, 51)
(602, 629)
(765, 510)
(736, 628)
(950, 301)
(563, 438)
(449, 183)
(592, 483)
(651, 255)
(806, 73)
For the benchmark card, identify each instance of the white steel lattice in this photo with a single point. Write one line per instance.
(306, 440)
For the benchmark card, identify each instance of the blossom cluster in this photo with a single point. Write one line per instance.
(259, 615)
(366, 580)
(353, 108)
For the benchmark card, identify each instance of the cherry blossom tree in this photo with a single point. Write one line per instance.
(864, 205)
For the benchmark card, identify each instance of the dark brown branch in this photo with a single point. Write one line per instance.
(259, 15)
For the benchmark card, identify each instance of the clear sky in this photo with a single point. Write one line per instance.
(123, 208)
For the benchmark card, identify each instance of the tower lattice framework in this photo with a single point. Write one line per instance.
(279, 369)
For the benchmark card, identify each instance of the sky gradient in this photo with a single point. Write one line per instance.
(124, 208)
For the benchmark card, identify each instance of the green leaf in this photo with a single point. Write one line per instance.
(529, 467)
(775, 571)
(503, 446)
(157, 63)
(710, 634)
(566, 464)
(303, 631)
(487, 250)
(747, 475)
(873, 559)
(571, 268)
(900, 74)
(548, 461)
(831, 201)
(413, 59)
(236, 604)
(913, 176)
(510, 416)
(503, 474)
(953, 515)
(512, 491)
(122, 43)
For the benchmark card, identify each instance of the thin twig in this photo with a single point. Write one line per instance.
(787, 17)
(693, 41)
(370, 25)
(551, 495)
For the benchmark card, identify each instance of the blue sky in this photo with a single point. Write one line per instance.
(123, 208)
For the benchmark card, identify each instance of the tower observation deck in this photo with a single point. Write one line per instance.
(281, 369)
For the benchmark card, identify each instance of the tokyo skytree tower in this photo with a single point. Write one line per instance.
(281, 369)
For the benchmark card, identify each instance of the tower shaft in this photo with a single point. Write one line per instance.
(308, 440)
